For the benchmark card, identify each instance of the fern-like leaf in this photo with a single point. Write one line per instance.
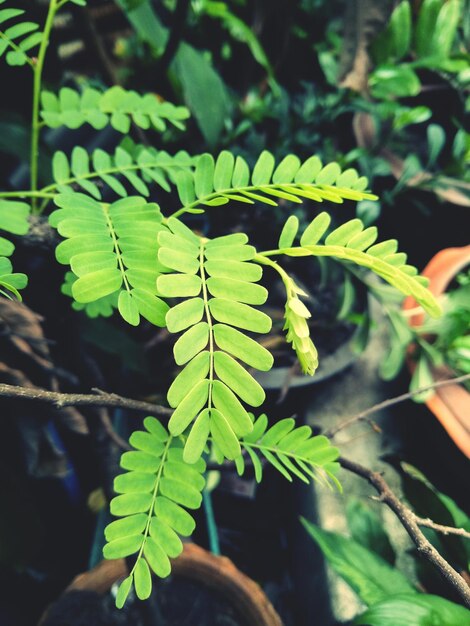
(153, 491)
(219, 287)
(102, 307)
(292, 450)
(113, 251)
(13, 219)
(19, 38)
(115, 106)
(352, 242)
(91, 172)
(218, 182)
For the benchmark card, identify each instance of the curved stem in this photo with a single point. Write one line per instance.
(35, 122)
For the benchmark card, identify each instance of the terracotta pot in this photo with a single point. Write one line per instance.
(451, 403)
(217, 573)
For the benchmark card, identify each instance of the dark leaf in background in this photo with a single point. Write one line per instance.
(372, 578)
(366, 528)
(415, 610)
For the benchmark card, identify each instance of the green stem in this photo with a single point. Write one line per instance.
(117, 249)
(35, 122)
(209, 322)
(154, 497)
(16, 48)
(25, 194)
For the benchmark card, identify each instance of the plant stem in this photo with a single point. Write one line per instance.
(25, 194)
(35, 122)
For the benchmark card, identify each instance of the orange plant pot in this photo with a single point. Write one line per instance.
(450, 403)
(217, 573)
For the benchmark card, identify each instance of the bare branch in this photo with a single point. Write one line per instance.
(60, 400)
(445, 530)
(362, 416)
(411, 523)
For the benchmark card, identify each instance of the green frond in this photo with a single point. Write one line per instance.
(112, 250)
(352, 242)
(292, 450)
(155, 491)
(103, 307)
(115, 106)
(17, 38)
(13, 219)
(102, 170)
(218, 182)
(218, 287)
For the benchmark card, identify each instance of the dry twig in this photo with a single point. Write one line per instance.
(101, 398)
(411, 522)
(363, 415)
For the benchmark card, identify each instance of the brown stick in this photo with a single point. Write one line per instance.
(445, 530)
(362, 416)
(60, 400)
(411, 523)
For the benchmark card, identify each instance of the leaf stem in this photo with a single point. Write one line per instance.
(16, 48)
(154, 497)
(209, 322)
(37, 82)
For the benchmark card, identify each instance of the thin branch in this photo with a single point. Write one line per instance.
(411, 523)
(362, 416)
(445, 530)
(60, 400)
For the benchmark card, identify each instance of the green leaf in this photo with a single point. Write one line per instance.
(415, 610)
(128, 308)
(132, 525)
(152, 308)
(228, 404)
(156, 557)
(425, 26)
(175, 516)
(204, 175)
(238, 379)
(367, 529)
(179, 285)
(263, 169)
(446, 28)
(189, 407)
(372, 578)
(390, 82)
(197, 438)
(289, 232)
(422, 377)
(191, 342)
(223, 435)
(14, 216)
(436, 141)
(204, 91)
(224, 168)
(131, 503)
(400, 27)
(309, 170)
(240, 270)
(240, 315)
(315, 230)
(231, 289)
(242, 347)
(142, 580)
(185, 314)
(120, 548)
(195, 370)
(123, 591)
(96, 285)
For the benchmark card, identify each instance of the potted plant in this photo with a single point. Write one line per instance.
(440, 350)
(143, 261)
